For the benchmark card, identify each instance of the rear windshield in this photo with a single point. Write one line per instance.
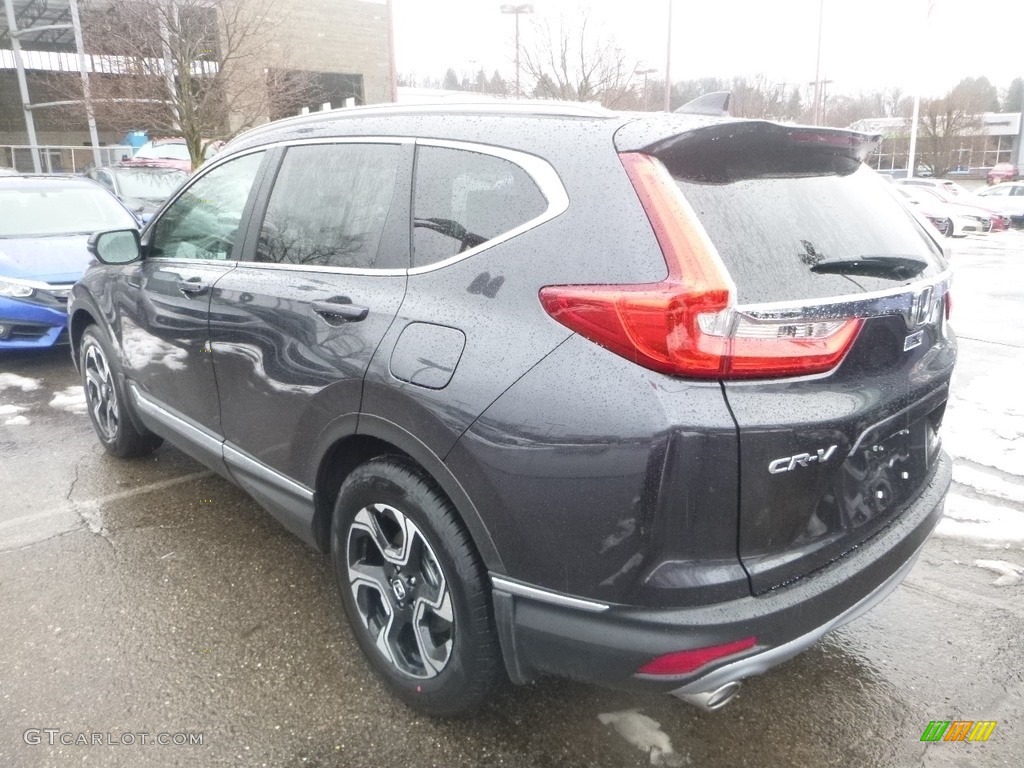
(786, 238)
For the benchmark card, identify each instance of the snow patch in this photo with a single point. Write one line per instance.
(11, 410)
(25, 384)
(985, 419)
(71, 399)
(1010, 573)
(17, 421)
(989, 483)
(981, 521)
(645, 734)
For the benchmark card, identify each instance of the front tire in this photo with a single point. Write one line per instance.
(106, 400)
(414, 589)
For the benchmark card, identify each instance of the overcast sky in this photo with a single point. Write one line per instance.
(866, 44)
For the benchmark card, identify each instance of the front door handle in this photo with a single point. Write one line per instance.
(335, 313)
(192, 287)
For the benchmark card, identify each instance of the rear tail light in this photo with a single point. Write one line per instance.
(684, 662)
(686, 325)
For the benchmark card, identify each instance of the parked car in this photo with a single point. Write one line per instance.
(169, 153)
(944, 185)
(142, 188)
(1000, 221)
(649, 401)
(1001, 172)
(965, 219)
(45, 223)
(1008, 198)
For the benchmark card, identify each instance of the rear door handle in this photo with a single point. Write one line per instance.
(344, 313)
(192, 287)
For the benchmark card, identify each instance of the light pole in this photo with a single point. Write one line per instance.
(817, 67)
(645, 73)
(1020, 133)
(668, 61)
(516, 10)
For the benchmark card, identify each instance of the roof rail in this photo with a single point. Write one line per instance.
(524, 107)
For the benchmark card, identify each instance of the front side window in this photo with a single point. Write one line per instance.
(464, 199)
(329, 206)
(203, 222)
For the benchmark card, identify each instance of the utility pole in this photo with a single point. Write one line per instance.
(517, 9)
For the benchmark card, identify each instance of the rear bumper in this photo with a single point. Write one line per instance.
(547, 632)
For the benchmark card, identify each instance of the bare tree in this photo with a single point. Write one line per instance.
(190, 68)
(574, 61)
(944, 124)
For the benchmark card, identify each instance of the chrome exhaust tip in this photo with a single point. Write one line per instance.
(711, 701)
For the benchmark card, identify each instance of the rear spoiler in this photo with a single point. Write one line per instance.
(723, 150)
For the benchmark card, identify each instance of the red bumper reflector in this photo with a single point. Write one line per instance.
(683, 662)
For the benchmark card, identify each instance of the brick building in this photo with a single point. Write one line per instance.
(343, 46)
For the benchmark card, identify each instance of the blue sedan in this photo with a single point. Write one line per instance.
(45, 223)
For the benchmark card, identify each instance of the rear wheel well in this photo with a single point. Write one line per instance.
(343, 457)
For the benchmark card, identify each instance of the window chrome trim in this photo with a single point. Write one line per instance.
(233, 457)
(539, 170)
(324, 268)
(891, 301)
(546, 596)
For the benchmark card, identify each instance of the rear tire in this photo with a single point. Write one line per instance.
(106, 400)
(414, 589)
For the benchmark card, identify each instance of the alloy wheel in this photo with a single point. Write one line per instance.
(100, 393)
(400, 591)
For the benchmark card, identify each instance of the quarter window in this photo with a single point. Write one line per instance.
(329, 206)
(203, 222)
(464, 199)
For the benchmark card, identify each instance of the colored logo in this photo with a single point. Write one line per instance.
(958, 730)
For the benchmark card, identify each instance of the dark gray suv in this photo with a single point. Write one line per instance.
(649, 401)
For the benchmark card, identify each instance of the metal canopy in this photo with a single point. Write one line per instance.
(30, 15)
(46, 25)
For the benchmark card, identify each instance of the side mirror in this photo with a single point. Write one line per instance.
(119, 246)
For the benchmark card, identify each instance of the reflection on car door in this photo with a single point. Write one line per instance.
(293, 330)
(163, 300)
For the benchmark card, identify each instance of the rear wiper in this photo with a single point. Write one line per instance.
(893, 267)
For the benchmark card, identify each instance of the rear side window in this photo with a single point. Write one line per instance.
(329, 206)
(782, 237)
(464, 199)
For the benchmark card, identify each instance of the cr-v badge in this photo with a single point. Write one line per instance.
(788, 463)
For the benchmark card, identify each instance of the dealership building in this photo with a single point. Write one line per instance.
(342, 47)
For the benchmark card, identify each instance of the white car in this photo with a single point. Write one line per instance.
(1007, 198)
(962, 219)
(950, 187)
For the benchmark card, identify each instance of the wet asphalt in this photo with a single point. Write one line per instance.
(150, 598)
